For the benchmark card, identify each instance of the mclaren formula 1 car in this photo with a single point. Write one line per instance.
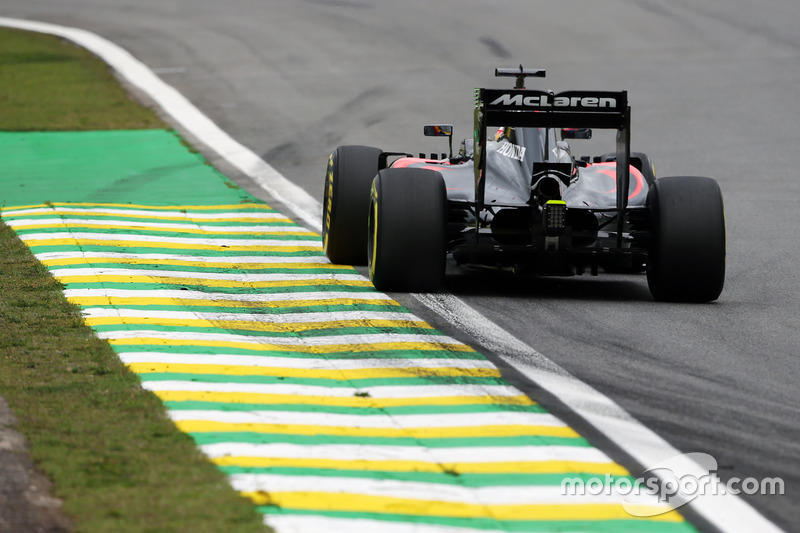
(515, 197)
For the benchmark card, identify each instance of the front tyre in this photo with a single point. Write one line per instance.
(348, 179)
(686, 261)
(407, 230)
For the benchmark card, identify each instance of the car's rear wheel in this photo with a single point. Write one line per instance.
(407, 230)
(346, 203)
(686, 261)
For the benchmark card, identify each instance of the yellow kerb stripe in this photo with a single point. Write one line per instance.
(229, 207)
(211, 282)
(341, 375)
(332, 348)
(251, 325)
(189, 230)
(156, 217)
(362, 503)
(277, 304)
(312, 247)
(510, 467)
(202, 426)
(179, 262)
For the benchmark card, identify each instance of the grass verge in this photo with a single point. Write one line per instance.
(51, 84)
(115, 458)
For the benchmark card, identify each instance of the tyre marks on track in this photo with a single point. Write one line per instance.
(329, 405)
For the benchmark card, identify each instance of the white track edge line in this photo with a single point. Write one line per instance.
(726, 512)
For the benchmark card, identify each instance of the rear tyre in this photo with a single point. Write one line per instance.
(686, 260)
(348, 179)
(407, 230)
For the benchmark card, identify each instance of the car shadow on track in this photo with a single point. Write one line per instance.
(487, 282)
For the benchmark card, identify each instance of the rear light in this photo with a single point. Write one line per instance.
(555, 217)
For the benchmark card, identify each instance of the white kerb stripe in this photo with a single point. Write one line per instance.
(317, 391)
(441, 492)
(244, 277)
(288, 318)
(450, 420)
(130, 224)
(266, 259)
(189, 241)
(154, 213)
(328, 340)
(315, 524)
(355, 452)
(211, 297)
(307, 363)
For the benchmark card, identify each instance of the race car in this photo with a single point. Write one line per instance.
(515, 197)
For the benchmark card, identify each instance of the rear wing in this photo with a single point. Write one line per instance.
(540, 109)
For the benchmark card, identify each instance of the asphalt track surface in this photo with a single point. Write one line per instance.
(713, 89)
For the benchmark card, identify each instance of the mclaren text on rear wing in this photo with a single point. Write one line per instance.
(527, 108)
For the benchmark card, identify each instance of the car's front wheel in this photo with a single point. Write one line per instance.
(407, 230)
(686, 260)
